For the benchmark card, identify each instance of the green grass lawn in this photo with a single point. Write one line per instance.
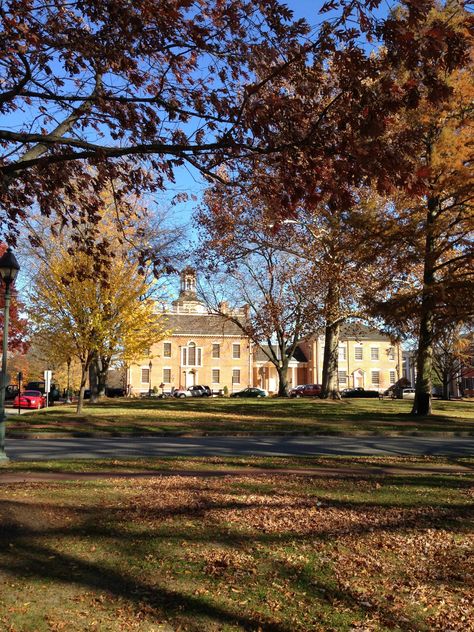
(268, 550)
(243, 417)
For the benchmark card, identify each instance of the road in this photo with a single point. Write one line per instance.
(85, 448)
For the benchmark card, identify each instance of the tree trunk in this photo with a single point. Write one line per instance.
(424, 361)
(98, 371)
(94, 380)
(283, 380)
(102, 375)
(80, 401)
(446, 381)
(330, 385)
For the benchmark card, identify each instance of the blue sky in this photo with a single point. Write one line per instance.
(189, 181)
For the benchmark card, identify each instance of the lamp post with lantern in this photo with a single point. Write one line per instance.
(9, 269)
(150, 366)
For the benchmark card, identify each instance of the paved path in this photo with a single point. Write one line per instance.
(84, 448)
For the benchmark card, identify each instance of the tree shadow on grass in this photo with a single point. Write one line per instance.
(131, 530)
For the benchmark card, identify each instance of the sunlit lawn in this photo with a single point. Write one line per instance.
(242, 417)
(270, 551)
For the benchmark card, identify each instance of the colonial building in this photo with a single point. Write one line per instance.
(367, 358)
(201, 348)
(206, 348)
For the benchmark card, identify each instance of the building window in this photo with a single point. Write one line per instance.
(376, 378)
(145, 376)
(236, 351)
(342, 376)
(393, 377)
(374, 353)
(191, 355)
(391, 353)
(236, 375)
(167, 349)
(167, 376)
(216, 376)
(342, 353)
(216, 350)
(358, 353)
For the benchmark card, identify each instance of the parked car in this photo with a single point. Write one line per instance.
(11, 391)
(306, 390)
(30, 399)
(359, 392)
(408, 393)
(198, 390)
(250, 392)
(40, 386)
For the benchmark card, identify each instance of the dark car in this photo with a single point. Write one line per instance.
(359, 392)
(198, 390)
(11, 391)
(306, 390)
(250, 392)
(40, 386)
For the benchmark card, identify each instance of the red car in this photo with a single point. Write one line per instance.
(306, 390)
(30, 399)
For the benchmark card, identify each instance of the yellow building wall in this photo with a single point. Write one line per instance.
(184, 376)
(359, 372)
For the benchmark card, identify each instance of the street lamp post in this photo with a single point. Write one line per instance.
(9, 269)
(149, 377)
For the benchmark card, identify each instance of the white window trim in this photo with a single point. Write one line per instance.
(216, 368)
(236, 368)
(235, 344)
(167, 342)
(147, 368)
(372, 371)
(212, 350)
(185, 348)
(167, 368)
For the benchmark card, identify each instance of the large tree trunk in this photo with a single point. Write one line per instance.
(446, 380)
(424, 361)
(98, 371)
(330, 385)
(94, 380)
(283, 380)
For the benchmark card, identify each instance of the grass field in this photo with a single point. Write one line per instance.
(327, 546)
(243, 417)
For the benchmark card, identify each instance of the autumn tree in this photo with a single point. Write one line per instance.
(278, 289)
(451, 353)
(95, 319)
(428, 229)
(99, 91)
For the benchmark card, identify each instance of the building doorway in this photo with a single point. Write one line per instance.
(358, 379)
(190, 378)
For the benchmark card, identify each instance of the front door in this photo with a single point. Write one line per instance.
(358, 379)
(190, 378)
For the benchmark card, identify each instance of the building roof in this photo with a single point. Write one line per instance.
(358, 331)
(201, 325)
(261, 356)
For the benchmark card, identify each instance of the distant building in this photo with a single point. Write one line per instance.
(367, 358)
(201, 348)
(209, 349)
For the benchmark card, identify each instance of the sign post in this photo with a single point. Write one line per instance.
(47, 385)
(20, 380)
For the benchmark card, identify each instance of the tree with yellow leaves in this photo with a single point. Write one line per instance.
(92, 300)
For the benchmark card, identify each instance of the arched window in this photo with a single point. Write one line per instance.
(192, 355)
